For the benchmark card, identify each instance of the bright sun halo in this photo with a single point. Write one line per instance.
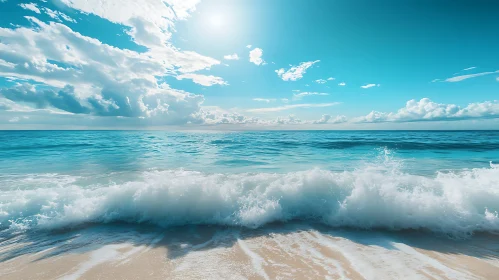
(216, 20)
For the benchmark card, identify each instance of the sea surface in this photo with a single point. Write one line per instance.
(445, 182)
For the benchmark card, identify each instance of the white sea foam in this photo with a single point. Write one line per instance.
(455, 203)
(256, 259)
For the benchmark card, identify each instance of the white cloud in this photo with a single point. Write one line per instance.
(151, 21)
(295, 72)
(464, 77)
(233, 56)
(264, 100)
(205, 80)
(331, 79)
(284, 100)
(59, 16)
(370, 85)
(435, 80)
(9, 105)
(31, 6)
(217, 116)
(342, 84)
(17, 119)
(290, 120)
(320, 81)
(249, 46)
(427, 110)
(5, 64)
(255, 56)
(470, 68)
(298, 96)
(329, 119)
(497, 79)
(85, 76)
(289, 107)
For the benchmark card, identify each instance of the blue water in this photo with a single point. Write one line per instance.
(98, 152)
(443, 181)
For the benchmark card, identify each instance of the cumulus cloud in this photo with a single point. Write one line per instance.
(370, 85)
(342, 84)
(9, 105)
(169, 106)
(299, 96)
(81, 75)
(329, 119)
(56, 52)
(321, 81)
(205, 80)
(217, 116)
(331, 79)
(150, 21)
(255, 56)
(427, 110)
(293, 120)
(65, 99)
(289, 107)
(295, 72)
(233, 56)
(290, 120)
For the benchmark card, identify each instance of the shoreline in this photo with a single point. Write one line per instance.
(277, 251)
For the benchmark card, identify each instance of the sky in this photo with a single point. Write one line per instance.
(249, 64)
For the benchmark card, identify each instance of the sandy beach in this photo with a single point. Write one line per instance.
(280, 251)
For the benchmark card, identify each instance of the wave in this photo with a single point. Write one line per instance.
(48, 147)
(398, 145)
(408, 145)
(378, 196)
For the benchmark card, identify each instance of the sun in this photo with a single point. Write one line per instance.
(216, 20)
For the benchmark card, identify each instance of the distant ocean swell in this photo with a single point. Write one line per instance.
(347, 144)
(377, 196)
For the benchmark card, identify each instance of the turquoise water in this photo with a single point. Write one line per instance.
(100, 152)
(438, 181)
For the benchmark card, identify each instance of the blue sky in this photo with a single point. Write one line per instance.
(190, 64)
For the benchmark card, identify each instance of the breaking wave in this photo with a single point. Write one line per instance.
(456, 203)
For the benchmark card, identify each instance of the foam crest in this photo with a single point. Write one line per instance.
(378, 196)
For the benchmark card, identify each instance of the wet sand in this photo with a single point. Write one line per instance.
(283, 251)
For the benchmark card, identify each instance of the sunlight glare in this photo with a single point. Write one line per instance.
(216, 20)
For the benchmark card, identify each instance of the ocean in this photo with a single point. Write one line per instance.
(55, 186)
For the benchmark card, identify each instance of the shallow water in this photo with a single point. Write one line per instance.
(275, 251)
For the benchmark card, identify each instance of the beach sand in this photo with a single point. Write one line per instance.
(280, 251)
